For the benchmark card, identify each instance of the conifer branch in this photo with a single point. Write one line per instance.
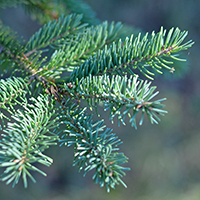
(95, 147)
(9, 42)
(91, 63)
(121, 95)
(26, 139)
(12, 92)
(88, 41)
(135, 54)
(55, 31)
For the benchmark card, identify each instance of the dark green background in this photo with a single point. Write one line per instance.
(164, 158)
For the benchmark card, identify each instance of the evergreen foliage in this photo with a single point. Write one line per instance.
(87, 60)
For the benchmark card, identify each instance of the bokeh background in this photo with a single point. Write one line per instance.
(165, 158)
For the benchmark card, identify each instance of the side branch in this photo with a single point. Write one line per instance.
(95, 147)
(55, 31)
(46, 44)
(121, 95)
(135, 53)
(29, 67)
(140, 61)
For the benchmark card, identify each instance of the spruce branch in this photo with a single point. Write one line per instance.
(139, 53)
(94, 146)
(25, 140)
(54, 33)
(12, 51)
(12, 92)
(91, 63)
(88, 41)
(121, 95)
(10, 43)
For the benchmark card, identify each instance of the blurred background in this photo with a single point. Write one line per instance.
(165, 158)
